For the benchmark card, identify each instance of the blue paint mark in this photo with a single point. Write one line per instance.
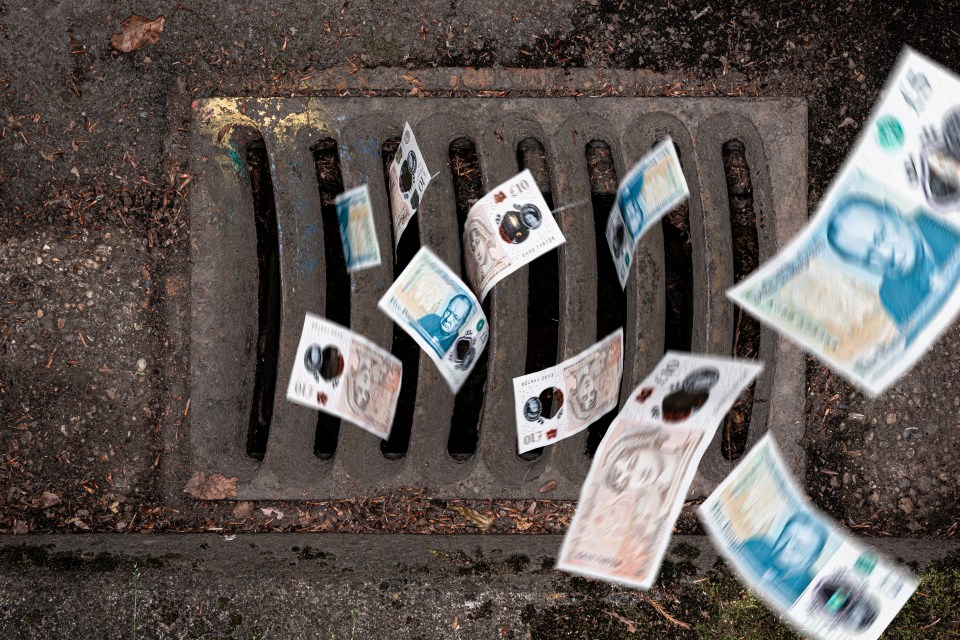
(311, 230)
(311, 265)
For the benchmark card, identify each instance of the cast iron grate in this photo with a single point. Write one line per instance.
(265, 249)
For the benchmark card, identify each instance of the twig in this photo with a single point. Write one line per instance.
(663, 612)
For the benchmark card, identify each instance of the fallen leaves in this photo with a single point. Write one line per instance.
(137, 31)
(49, 499)
(479, 520)
(213, 486)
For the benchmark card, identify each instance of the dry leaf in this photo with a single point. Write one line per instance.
(243, 510)
(211, 486)
(135, 32)
(547, 487)
(481, 521)
(272, 513)
(48, 499)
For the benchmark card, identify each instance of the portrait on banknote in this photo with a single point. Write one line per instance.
(484, 249)
(409, 178)
(869, 283)
(440, 313)
(796, 558)
(342, 373)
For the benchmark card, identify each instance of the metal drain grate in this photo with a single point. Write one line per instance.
(250, 288)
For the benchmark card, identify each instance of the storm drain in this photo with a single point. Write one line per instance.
(266, 249)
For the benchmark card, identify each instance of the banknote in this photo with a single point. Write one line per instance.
(872, 281)
(795, 558)
(509, 227)
(357, 233)
(654, 186)
(346, 375)
(643, 468)
(409, 178)
(565, 399)
(441, 313)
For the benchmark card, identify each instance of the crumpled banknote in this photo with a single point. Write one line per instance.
(440, 313)
(800, 562)
(643, 468)
(344, 374)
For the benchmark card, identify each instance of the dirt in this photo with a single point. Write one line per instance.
(94, 155)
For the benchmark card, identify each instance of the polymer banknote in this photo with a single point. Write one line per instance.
(345, 375)
(357, 231)
(440, 313)
(509, 227)
(643, 468)
(654, 186)
(872, 281)
(826, 583)
(565, 399)
(409, 178)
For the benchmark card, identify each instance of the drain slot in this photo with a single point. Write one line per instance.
(678, 278)
(543, 292)
(611, 298)
(746, 258)
(404, 346)
(326, 162)
(268, 293)
(467, 189)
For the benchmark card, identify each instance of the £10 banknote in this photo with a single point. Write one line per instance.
(409, 178)
(346, 375)
(873, 279)
(800, 562)
(509, 227)
(654, 186)
(565, 399)
(644, 466)
(357, 232)
(440, 313)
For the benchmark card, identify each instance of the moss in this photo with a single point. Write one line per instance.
(518, 562)
(43, 557)
(309, 553)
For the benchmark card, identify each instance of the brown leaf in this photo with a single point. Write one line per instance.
(547, 487)
(135, 32)
(481, 521)
(243, 510)
(48, 499)
(211, 486)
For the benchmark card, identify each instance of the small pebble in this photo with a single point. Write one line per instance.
(39, 313)
(61, 323)
(141, 365)
(891, 418)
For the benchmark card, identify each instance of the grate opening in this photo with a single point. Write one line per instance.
(746, 258)
(678, 278)
(268, 294)
(543, 292)
(326, 161)
(468, 404)
(611, 298)
(404, 346)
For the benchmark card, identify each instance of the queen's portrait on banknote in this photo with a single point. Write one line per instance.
(488, 258)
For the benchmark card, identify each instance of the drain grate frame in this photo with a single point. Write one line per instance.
(224, 270)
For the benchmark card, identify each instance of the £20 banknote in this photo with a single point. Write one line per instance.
(800, 562)
(440, 312)
(645, 463)
(565, 399)
(346, 375)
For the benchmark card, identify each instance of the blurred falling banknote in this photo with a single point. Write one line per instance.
(440, 313)
(357, 232)
(872, 281)
(509, 227)
(565, 399)
(645, 464)
(409, 178)
(796, 558)
(346, 375)
(654, 186)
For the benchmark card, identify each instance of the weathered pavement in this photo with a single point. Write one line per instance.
(349, 586)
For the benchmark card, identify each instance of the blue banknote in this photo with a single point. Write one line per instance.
(357, 231)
